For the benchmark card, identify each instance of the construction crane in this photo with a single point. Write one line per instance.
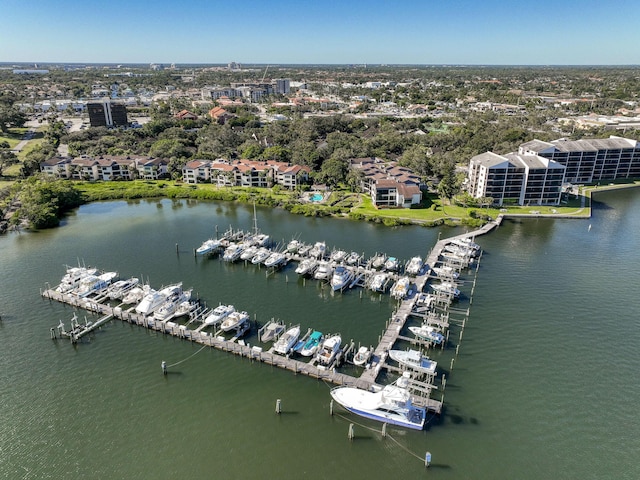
(265, 74)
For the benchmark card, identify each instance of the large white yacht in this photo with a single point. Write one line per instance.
(390, 405)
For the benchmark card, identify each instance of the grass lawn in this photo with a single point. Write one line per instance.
(13, 136)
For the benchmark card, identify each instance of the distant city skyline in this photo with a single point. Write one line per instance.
(306, 32)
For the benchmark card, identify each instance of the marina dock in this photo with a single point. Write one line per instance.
(421, 387)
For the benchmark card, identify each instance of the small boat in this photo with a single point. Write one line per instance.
(338, 256)
(353, 258)
(362, 356)
(185, 308)
(414, 266)
(401, 288)
(414, 360)
(328, 350)
(249, 252)
(460, 251)
(293, 246)
(233, 252)
(218, 314)
(261, 255)
(307, 266)
(341, 278)
(318, 250)
(135, 295)
(323, 272)
(208, 246)
(429, 333)
(275, 259)
(310, 347)
(446, 271)
(425, 300)
(234, 320)
(261, 239)
(390, 405)
(378, 260)
(304, 249)
(391, 264)
(118, 289)
(378, 282)
(447, 288)
(466, 242)
(243, 327)
(271, 331)
(286, 342)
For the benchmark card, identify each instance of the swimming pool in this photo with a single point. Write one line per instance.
(317, 197)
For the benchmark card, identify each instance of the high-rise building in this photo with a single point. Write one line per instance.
(283, 85)
(107, 113)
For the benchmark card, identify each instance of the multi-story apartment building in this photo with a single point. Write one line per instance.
(107, 113)
(590, 160)
(388, 184)
(105, 168)
(516, 179)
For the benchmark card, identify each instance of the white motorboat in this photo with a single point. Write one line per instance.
(429, 333)
(233, 252)
(150, 302)
(328, 350)
(401, 288)
(154, 299)
(425, 300)
(271, 331)
(378, 282)
(261, 255)
(323, 271)
(466, 242)
(286, 342)
(362, 356)
(310, 346)
(391, 264)
(275, 259)
(167, 310)
(185, 308)
(390, 405)
(446, 271)
(234, 320)
(307, 266)
(121, 287)
(378, 260)
(318, 250)
(249, 252)
(208, 246)
(218, 314)
(338, 256)
(94, 283)
(353, 258)
(135, 295)
(460, 251)
(414, 360)
(72, 278)
(261, 239)
(304, 249)
(447, 288)
(341, 278)
(293, 246)
(414, 266)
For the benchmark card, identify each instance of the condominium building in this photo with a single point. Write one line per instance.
(107, 113)
(516, 179)
(590, 161)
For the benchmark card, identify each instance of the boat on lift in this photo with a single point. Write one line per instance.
(218, 314)
(341, 278)
(448, 288)
(446, 271)
(287, 340)
(310, 346)
(353, 258)
(428, 333)
(261, 255)
(414, 266)
(234, 320)
(414, 360)
(307, 266)
(323, 271)
(318, 250)
(328, 350)
(275, 259)
(391, 264)
(401, 288)
(272, 331)
(362, 356)
(121, 287)
(378, 282)
(208, 246)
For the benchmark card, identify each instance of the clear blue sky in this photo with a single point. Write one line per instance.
(518, 32)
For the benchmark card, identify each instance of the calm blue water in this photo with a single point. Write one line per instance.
(544, 385)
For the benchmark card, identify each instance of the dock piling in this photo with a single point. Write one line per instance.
(278, 406)
(351, 434)
(164, 367)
